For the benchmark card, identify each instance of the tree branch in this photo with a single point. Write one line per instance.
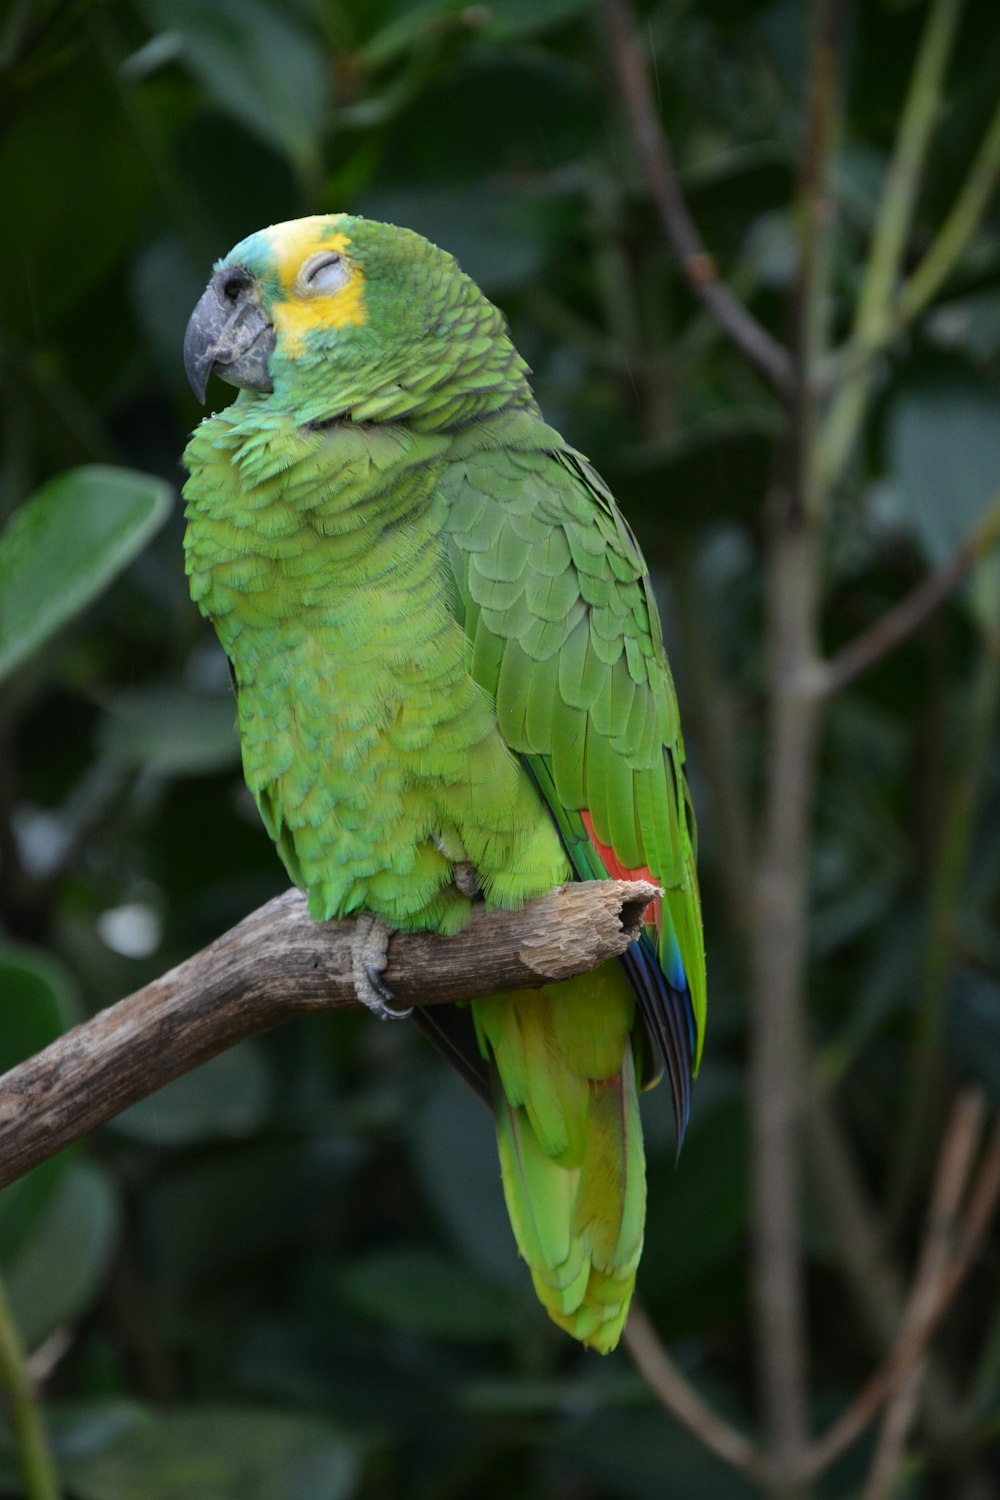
(946, 1258)
(943, 1260)
(963, 800)
(763, 351)
(278, 964)
(958, 228)
(873, 315)
(938, 261)
(778, 1062)
(712, 716)
(893, 627)
(681, 1399)
(779, 937)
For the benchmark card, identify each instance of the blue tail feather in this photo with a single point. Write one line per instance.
(669, 1021)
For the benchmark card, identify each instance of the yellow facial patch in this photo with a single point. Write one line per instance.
(297, 312)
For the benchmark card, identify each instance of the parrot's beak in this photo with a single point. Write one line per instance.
(230, 333)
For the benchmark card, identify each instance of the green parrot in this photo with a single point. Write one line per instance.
(451, 687)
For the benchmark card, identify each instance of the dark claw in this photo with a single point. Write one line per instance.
(387, 1012)
(378, 984)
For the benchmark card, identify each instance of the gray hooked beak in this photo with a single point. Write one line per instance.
(228, 332)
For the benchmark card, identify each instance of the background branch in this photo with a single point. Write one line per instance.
(951, 1244)
(273, 966)
(778, 1063)
(713, 717)
(939, 259)
(938, 1275)
(899, 622)
(962, 801)
(681, 1399)
(946, 1258)
(873, 316)
(698, 266)
(958, 228)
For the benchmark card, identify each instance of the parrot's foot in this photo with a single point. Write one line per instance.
(369, 956)
(465, 879)
(463, 871)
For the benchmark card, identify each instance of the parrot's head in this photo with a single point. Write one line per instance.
(324, 315)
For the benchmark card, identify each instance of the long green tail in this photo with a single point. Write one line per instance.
(570, 1139)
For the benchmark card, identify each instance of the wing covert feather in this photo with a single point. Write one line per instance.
(566, 636)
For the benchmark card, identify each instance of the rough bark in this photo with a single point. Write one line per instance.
(277, 964)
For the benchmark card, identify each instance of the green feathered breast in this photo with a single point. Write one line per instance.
(447, 654)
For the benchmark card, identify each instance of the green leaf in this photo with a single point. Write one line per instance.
(57, 1224)
(216, 1453)
(517, 18)
(455, 1153)
(499, 236)
(66, 544)
(555, 121)
(973, 322)
(245, 1204)
(37, 1003)
(74, 1428)
(707, 1189)
(414, 1290)
(165, 283)
(409, 25)
(589, 1388)
(640, 1454)
(263, 67)
(226, 1098)
(67, 1257)
(172, 729)
(40, 280)
(944, 446)
(82, 1427)
(973, 1028)
(23, 1203)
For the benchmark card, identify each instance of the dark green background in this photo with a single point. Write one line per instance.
(288, 1276)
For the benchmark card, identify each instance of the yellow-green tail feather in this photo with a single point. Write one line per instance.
(570, 1140)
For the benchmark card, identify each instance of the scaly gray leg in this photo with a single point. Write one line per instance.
(369, 956)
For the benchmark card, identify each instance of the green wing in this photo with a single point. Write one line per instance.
(556, 599)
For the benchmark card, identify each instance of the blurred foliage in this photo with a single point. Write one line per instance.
(290, 1273)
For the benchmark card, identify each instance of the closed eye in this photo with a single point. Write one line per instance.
(324, 273)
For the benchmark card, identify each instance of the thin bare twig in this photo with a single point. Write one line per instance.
(779, 935)
(698, 266)
(811, 303)
(958, 228)
(938, 261)
(681, 1399)
(874, 1280)
(714, 725)
(777, 1059)
(852, 1219)
(982, 1206)
(939, 1271)
(893, 627)
(873, 315)
(277, 964)
(947, 1257)
(962, 803)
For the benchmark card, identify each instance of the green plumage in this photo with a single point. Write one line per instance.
(446, 650)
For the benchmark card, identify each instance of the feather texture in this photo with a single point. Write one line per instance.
(446, 648)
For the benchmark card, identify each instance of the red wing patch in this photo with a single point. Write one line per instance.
(618, 871)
